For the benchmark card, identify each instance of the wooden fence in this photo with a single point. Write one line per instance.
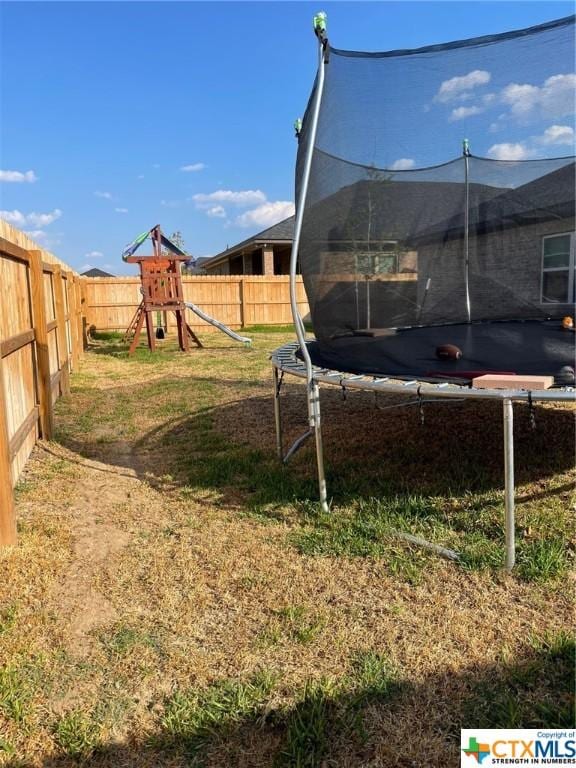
(237, 301)
(41, 341)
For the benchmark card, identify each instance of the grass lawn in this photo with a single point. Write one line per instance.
(178, 598)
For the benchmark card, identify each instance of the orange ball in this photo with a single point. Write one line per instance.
(567, 322)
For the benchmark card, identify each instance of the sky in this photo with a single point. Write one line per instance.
(117, 116)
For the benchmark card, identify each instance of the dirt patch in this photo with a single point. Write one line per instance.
(78, 598)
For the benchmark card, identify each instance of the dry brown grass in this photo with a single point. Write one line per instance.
(126, 589)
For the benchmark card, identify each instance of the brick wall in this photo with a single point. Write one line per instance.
(505, 275)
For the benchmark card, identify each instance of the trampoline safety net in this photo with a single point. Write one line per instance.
(410, 242)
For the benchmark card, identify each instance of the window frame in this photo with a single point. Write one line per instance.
(571, 269)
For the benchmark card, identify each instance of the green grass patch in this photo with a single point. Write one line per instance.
(289, 328)
(372, 676)
(122, 640)
(332, 710)
(107, 335)
(308, 726)
(543, 560)
(17, 688)
(78, 733)
(6, 748)
(293, 623)
(195, 719)
(8, 617)
(536, 692)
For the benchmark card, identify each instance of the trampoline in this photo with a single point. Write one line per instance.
(425, 272)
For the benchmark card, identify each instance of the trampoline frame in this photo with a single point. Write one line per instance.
(285, 360)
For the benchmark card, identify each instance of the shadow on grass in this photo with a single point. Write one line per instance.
(372, 716)
(386, 471)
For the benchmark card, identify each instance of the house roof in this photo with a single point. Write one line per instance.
(95, 272)
(389, 210)
(420, 211)
(547, 197)
(281, 233)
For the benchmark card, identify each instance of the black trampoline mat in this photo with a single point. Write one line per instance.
(530, 347)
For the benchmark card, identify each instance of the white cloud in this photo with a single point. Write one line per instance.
(18, 176)
(554, 98)
(216, 212)
(105, 195)
(266, 215)
(510, 151)
(121, 210)
(460, 113)
(242, 197)
(37, 220)
(94, 255)
(557, 134)
(43, 219)
(14, 217)
(459, 87)
(402, 164)
(45, 239)
(140, 176)
(36, 234)
(193, 168)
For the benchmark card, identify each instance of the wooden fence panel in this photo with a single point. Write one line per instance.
(217, 297)
(35, 351)
(237, 301)
(18, 416)
(7, 512)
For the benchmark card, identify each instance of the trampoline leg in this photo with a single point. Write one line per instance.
(314, 407)
(277, 416)
(509, 483)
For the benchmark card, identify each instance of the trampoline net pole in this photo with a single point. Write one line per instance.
(466, 153)
(319, 448)
(277, 414)
(300, 203)
(509, 484)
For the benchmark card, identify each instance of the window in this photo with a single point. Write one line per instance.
(381, 260)
(558, 269)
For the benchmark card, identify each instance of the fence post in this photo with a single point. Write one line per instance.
(7, 511)
(83, 319)
(242, 311)
(78, 316)
(63, 361)
(41, 336)
(72, 304)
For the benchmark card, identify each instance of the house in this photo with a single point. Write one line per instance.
(95, 272)
(266, 253)
(521, 253)
(391, 253)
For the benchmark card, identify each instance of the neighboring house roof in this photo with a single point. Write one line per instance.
(549, 197)
(197, 266)
(95, 272)
(415, 212)
(386, 210)
(281, 233)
